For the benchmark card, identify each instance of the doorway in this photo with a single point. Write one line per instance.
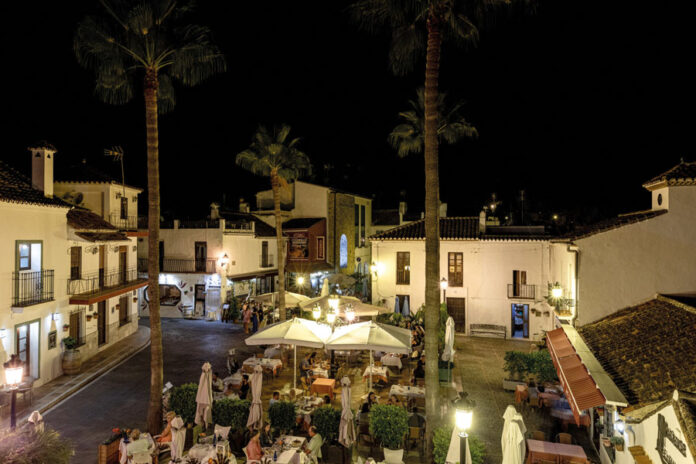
(520, 321)
(27, 347)
(456, 307)
(161, 256)
(101, 323)
(123, 264)
(199, 300)
(201, 254)
(101, 266)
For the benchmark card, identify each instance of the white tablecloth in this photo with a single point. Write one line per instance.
(202, 452)
(288, 439)
(263, 362)
(408, 391)
(377, 371)
(234, 379)
(319, 372)
(391, 359)
(289, 457)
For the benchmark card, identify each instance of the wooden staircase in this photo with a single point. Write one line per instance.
(639, 455)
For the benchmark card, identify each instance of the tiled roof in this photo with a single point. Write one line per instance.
(463, 228)
(685, 407)
(16, 188)
(262, 229)
(300, 223)
(649, 350)
(84, 219)
(102, 236)
(681, 174)
(613, 223)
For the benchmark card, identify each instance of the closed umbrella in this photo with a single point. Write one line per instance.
(512, 440)
(255, 412)
(448, 353)
(346, 429)
(405, 310)
(178, 438)
(508, 416)
(325, 288)
(204, 397)
(396, 304)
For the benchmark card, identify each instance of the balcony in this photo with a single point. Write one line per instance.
(32, 287)
(100, 281)
(266, 261)
(522, 291)
(124, 223)
(181, 266)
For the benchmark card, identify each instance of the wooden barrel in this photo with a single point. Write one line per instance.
(72, 362)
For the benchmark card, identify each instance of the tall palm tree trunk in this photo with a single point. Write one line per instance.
(154, 411)
(275, 183)
(432, 233)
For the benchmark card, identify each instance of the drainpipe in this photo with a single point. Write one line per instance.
(575, 249)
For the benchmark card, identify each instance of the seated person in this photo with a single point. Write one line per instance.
(313, 448)
(419, 371)
(394, 401)
(275, 398)
(533, 393)
(327, 400)
(416, 420)
(253, 448)
(137, 444)
(230, 393)
(218, 386)
(371, 401)
(244, 388)
(166, 436)
(266, 437)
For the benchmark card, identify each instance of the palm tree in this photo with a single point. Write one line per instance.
(419, 26)
(408, 137)
(147, 40)
(276, 155)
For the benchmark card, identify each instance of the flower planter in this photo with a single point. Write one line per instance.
(66, 328)
(72, 362)
(89, 318)
(108, 451)
(606, 442)
(619, 447)
(393, 456)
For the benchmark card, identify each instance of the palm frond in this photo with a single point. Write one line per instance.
(166, 95)
(270, 152)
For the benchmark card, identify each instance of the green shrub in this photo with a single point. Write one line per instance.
(327, 420)
(70, 343)
(516, 365)
(617, 441)
(389, 424)
(541, 366)
(441, 442)
(477, 449)
(235, 313)
(282, 415)
(24, 446)
(231, 413)
(183, 401)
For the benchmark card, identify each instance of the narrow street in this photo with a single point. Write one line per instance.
(119, 398)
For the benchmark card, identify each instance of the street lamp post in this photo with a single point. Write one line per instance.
(464, 414)
(13, 377)
(443, 286)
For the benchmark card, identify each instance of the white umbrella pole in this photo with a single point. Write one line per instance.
(369, 378)
(294, 371)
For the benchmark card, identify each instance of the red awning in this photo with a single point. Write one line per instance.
(578, 385)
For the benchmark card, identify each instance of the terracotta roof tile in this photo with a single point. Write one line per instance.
(681, 174)
(649, 349)
(685, 407)
(16, 188)
(83, 219)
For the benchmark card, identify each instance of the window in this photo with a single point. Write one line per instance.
(123, 318)
(320, 248)
(77, 328)
(403, 268)
(455, 268)
(519, 282)
(362, 225)
(124, 208)
(404, 303)
(357, 225)
(343, 252)
(75, 263)
(24, 251)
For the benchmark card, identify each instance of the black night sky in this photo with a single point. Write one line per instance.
(577, 103)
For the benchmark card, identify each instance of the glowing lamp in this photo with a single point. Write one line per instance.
(224, 260)
(620, 426)
(300, 281)
(331, 318)
(13, 375)
(334, 302)
(464, 413)
(316, 313)
(556, 292)
(443, 284)
(350, 315)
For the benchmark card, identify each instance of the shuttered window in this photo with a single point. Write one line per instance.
(403, 268)
(455, 267)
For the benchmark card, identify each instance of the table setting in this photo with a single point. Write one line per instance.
(407, 391)
(266, 363)
(305, 406)
(378, 372)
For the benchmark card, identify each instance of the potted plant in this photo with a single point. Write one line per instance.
(389, 425)
(88, 317)
(66, 327)
(72, 360)
(618, 443)
(232, 413)
(95, 315)
(282, 416)
(327, 421)
(516, 365)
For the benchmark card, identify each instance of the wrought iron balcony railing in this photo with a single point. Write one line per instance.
(522, 291)
(124, 223)
(32, 287)
(266, 261)
(96, 282)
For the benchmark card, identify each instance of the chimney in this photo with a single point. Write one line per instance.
(214, 211)
(42, 167)
(243, 206)
(443, 210)
(402, 211)
(482, 221)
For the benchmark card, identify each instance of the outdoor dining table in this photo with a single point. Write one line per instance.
(267, 363)
(391, 359)
(202, 452)
(556, 452)
(521, 393)
(407, 391)
(292, 441)
(324, 387)
(378, 372)
(566, 416)
(123, 447)
(318, 372)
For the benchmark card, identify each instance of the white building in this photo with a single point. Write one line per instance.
(495, 275)
(201, 261)
(48, 282)
(629, 258)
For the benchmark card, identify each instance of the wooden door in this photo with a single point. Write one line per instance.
(161, 255)
(456, 307)
(75, 325)
(102, 259)
(101, 323)
(24, 347)
(123, 264)
(201, 253)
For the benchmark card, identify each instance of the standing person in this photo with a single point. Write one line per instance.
(246, 317)
(255, 320)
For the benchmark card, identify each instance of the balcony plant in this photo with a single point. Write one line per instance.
(72, 360)
(66, 327)
(88, 317)
(388, 425)
(618, 443)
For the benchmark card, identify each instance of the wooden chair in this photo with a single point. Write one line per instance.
(565, 438)
(365, 438)
(246, 456)
(539, 435)
(419, 404)
(416, 434)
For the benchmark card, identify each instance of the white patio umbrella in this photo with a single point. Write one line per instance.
(325, 288)
(255, 412)
(204, 397)
(370, 336)
(512, 439)
(291, 299)
(346, 429)
(295, 332)
(360, 308)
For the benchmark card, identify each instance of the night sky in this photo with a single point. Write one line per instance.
(577, 103)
